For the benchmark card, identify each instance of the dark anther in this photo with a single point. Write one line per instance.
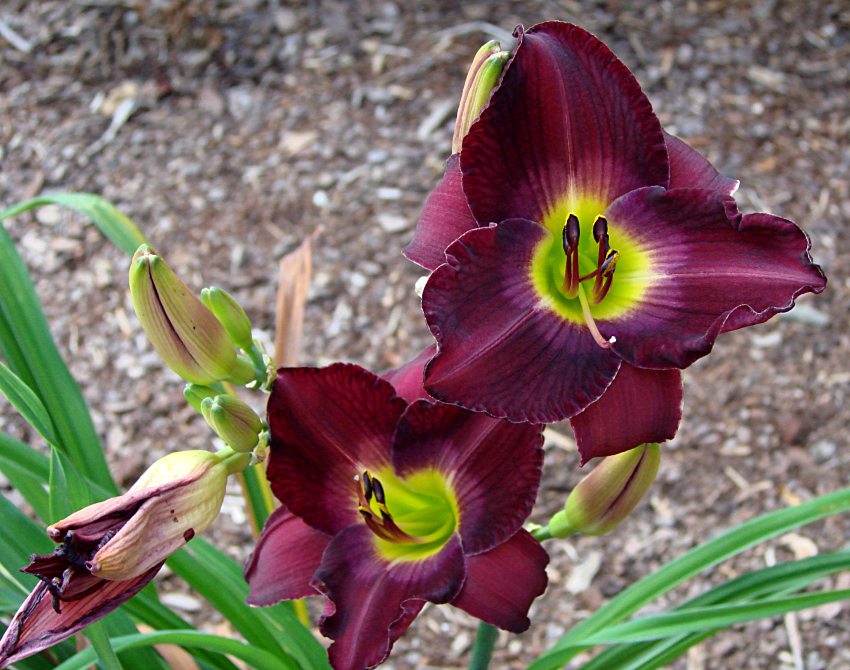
(366, 513)
(378, 489)
(367, 485)
(600, 228)
(571, 233)
(53, 587)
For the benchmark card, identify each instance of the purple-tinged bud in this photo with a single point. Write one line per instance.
(230, 314)
(233, 421)
(186, 334)
(482, 78)
(609, 494)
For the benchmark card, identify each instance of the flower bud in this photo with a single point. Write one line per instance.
(481, 79)
(195, 394)
(608, 494)
(230, 314)
(184, 332)
(233, 421)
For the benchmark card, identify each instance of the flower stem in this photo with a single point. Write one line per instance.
(482, 651)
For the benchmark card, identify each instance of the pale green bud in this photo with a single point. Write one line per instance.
(174, 500)
(609, 494)
(233, 421)
(230, 313)
(481, 79)
(194, 394)
(183, 331)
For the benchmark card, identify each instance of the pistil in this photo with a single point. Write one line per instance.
(591, 324)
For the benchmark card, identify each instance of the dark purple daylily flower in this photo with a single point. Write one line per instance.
(582, 256)
(389, 505)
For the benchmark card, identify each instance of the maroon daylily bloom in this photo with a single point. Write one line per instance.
(579, 250)
(388, 505)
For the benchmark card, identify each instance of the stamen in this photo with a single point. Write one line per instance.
(591, 324)
(378, 490)
(367, 485)
(600, 228)
(571, 234)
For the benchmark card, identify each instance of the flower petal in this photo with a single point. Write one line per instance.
(37, 626)
(287, 554)
(493, 466)
(372, 601)
(707, 263)
(502, 583)
(446, 217)
(501, 349)
(640, 406)
(407, 379)
(327, 426)
(690, 169)
(569, 122)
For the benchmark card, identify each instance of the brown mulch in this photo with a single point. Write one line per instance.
(256, 122)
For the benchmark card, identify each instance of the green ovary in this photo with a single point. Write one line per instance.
(631, 277)
(423, 506)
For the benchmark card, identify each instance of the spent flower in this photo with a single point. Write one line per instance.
(107, 552)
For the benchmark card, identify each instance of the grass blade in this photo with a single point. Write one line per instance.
(117, 226)
(258, 659)
(687, 566)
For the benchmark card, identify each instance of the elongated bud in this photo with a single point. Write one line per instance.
(183, 331)
(233, 421)
(481, 79)
(230, 314)
(609, 494)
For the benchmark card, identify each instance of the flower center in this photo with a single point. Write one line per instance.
(575, 275)
(411, 518)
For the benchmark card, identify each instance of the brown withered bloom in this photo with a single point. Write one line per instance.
(107, 552)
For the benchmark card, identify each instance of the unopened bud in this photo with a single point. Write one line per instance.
(233, 421)
(195, 394)
(230, 314)
(609, 494)
(174, 500)
(481, 79)
(183, 331)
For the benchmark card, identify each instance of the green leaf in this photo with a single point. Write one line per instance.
(68, 489)
(258, 659)
(720, 616)
(96, 633)
(27, 345)
(117, 226)
(692, 563)
(27, 471)
(26, 402)
(778, 579)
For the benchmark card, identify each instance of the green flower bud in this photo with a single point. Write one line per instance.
(183, 331)
(174, 500)
(609, 494)
(230, 313)
(233, 421)
(481, 79)
(194, 394)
